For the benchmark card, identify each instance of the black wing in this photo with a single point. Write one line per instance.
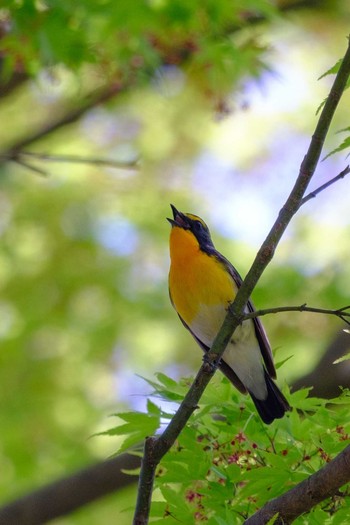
(260, 333)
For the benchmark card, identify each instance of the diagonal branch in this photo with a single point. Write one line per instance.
(28, 165)
(156, 448)
(301, 498)
(92, 100)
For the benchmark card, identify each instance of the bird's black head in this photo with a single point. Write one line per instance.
(188, 221)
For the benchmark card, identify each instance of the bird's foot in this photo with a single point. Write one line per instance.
(211, 362)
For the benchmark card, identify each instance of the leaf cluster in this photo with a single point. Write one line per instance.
(130, 40)
(346, 141)
(226, 463)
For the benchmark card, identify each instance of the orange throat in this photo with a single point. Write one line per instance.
(196, 280)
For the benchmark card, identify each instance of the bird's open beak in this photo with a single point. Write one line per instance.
(179, 219)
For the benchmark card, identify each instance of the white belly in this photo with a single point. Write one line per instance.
(242, 354)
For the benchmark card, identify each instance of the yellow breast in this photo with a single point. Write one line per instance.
(199, 283)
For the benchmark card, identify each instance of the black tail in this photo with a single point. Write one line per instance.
(274, 406)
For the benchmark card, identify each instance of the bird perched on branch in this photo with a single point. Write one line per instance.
(202, 284)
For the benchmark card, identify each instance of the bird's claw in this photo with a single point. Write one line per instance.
(212, 363)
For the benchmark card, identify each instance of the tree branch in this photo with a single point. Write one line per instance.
(27, 165)
(21, 157)
(65, 495)
(77, 159)
(92, 100)
(155, 448)
(301, 498)
(324, 186)
(340, 312)
(16, 80)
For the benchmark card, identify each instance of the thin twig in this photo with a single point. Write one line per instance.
(77, 159)
(20, 157)
(340, 312)
(155, 448)
(29, 166)
(324, 186)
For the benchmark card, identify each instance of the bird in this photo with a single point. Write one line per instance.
(202, 285)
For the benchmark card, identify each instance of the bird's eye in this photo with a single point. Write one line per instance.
(198, 226)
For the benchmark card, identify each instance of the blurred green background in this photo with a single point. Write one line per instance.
(213, 106)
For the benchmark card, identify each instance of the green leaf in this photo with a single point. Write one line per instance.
(166, 388)
(121, 430)
(281, 363)
(333, 70)
(171, 495)
(343, 130)
(321, 106)
(166, 380)
(273, 519)
(153, 409)
(219, 472)
(344, 145)
(137, 427)
(132, 471)
(345, 357)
